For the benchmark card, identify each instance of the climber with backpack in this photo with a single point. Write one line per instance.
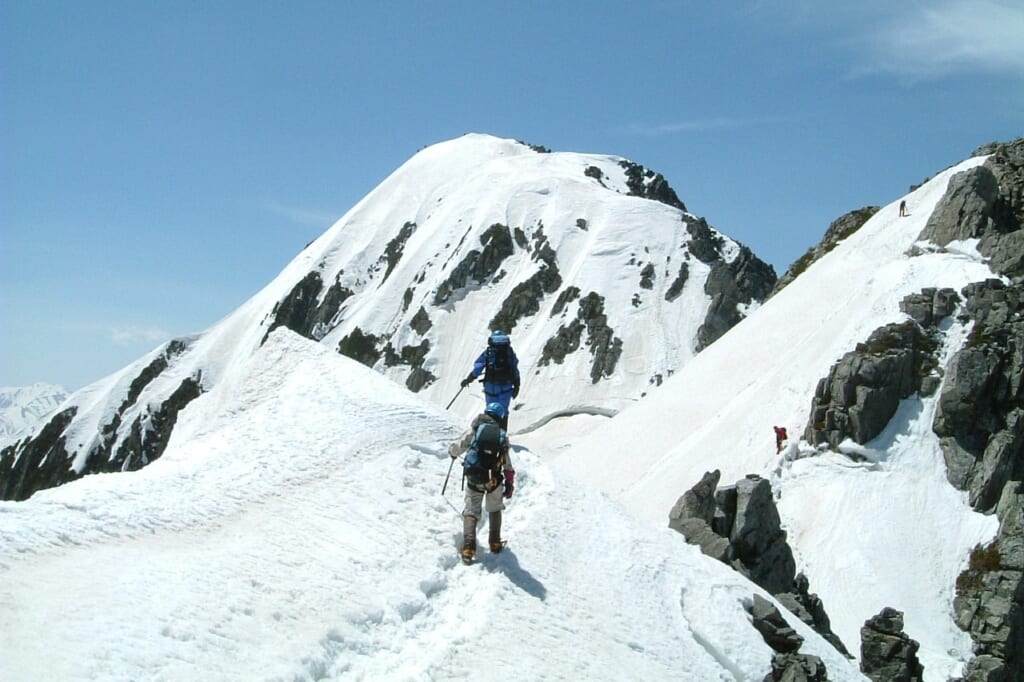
(488, 477)
(500, 368)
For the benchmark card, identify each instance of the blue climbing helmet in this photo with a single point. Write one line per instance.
(496, 410)
(498, 338)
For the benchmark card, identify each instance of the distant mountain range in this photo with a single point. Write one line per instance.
(23, 408)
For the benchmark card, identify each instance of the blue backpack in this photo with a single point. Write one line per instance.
(486, 454)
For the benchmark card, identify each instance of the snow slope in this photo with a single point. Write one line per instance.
(294, 530)
(888, 532)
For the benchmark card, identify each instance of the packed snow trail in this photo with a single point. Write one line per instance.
(298, 533)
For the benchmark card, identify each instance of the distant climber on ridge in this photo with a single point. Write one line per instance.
(500, 367)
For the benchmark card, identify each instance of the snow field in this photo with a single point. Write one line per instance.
(300, 534)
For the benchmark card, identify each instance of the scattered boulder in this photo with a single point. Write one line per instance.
(887, 654)
(797, 668)
(773, 627)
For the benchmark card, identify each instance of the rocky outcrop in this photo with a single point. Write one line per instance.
(601, 340)
(46, 460)
(797, 668)
(650, 185)
(986, 203)
(479, 265)
(840, 229)
(731, 285)
(887, 654)
(863, 389)
(739, 525)
(303, 311)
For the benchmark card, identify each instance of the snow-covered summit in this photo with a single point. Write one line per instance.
(605, 283)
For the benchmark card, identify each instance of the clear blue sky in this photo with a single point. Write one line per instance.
(162, 161)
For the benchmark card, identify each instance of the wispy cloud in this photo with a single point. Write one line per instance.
(130, 335)
(303, 216)
(929, 40)
(694, 126)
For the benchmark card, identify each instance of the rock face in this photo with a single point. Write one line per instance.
(739, 525)
(979, 413)
(886, 653)
(840, 229)
(979, 422)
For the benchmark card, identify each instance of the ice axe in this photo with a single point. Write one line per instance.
(445, 486)
(450, 402)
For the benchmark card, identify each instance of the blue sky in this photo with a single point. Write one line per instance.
(161, 162)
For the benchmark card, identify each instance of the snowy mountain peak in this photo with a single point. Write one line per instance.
(605, 283)
(22, 408)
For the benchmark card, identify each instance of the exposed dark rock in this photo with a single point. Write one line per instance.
(745, 280)
(773, 627)
(863, 390)
(594, 172)
(300, 311)
(393, 251)
(411, 356)
(647, 277)
(676, 288)
(45, 460)
(478, 265)
(361, 347)
(582, 224)
(840, 229)
(420, 322)
(567, 296)
(37, 463)
(524, 300)
(797, 668)
(604, 345)
(649, 185)
(705, 244)
(887, 654)
(980, 414)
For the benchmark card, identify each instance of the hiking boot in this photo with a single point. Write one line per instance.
(468, 553)
(496, 547)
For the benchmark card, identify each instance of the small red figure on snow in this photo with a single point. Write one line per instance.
(780, 438)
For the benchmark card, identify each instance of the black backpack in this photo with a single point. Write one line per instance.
(498, 365)
(485, 455)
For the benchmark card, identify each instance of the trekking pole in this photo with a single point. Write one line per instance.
(453, 399)
(445, 486)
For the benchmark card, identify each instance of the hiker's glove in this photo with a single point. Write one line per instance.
(510, 477)
(453, 451)
(515, 390)
(467, 381)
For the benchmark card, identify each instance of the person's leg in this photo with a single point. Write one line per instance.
(470, 514)
(494, 505)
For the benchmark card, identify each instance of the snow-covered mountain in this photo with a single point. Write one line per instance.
(289, 523)
(606, 284)
(24, 407)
